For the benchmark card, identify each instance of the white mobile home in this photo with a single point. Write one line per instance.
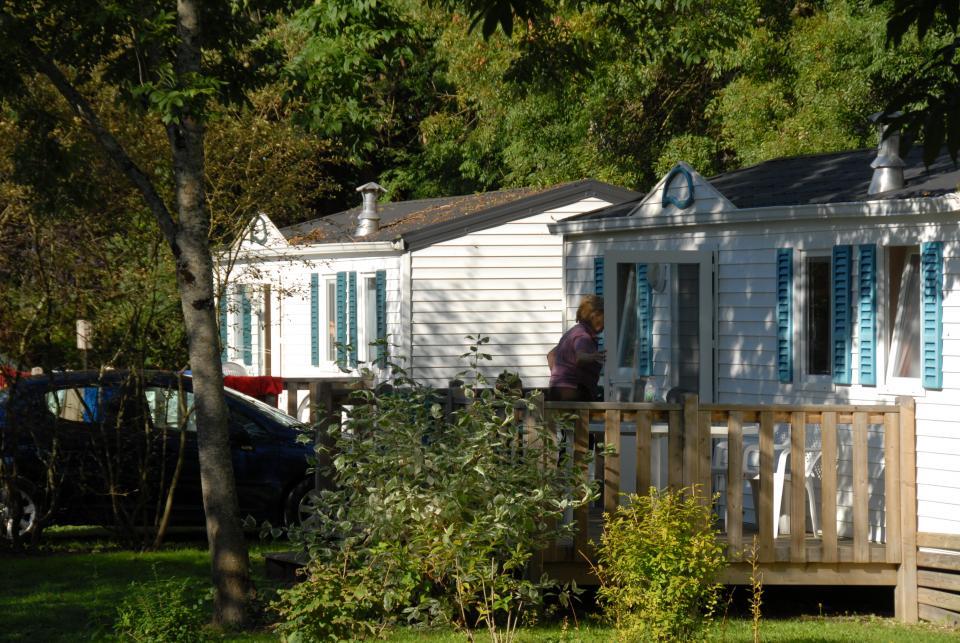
(307, 301)
(808, 280)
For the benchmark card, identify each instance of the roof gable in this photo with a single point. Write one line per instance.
(682, 190)
(261, 232)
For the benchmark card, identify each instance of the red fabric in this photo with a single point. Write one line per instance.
(259, 386)
(9, 375)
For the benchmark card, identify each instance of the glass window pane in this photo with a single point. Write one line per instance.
(817, 323)
(626, 315)
(166, 409)
(906, 357)
(331, 319)
(370, 318)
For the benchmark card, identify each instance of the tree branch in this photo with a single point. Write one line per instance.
(43, 64)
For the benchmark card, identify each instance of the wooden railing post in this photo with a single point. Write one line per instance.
(765, 502)
(735, 484)
(581, 445)
(798, 487)
(691, 434)
(611, 461)
(828, 487)
(905, 598)
(292, 389)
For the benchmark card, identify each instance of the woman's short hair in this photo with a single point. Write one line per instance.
(589, 305)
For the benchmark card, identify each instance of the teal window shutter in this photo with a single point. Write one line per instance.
(352, 304)
(315, 319)
(598, 276)
(341, 318)
(840, 314)
(785, 314)
(867, 305)
(381, 282)
(222, 312)
(644, 322)
(598, 288)
(931, 314)
(246, 316)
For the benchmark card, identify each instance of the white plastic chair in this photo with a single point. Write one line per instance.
(781, 481)
(781, 477)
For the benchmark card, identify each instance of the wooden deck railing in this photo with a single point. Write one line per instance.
(865, 453)
(692, 431)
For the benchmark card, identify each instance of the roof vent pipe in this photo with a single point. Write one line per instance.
(888, 166)
(368, 221)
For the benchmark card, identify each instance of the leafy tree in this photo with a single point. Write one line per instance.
(155, 56)
(930, 95)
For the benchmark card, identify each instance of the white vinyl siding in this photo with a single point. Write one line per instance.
(505, 283)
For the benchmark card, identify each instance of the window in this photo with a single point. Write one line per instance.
(171, 410)
(331, 319)
(816, 323)
(903, 315)
(369, 331)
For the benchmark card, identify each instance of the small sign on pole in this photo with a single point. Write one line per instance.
(84, 334)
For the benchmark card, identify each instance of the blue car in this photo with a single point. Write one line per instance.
(102, 448)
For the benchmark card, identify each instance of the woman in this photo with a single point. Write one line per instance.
(576, 361)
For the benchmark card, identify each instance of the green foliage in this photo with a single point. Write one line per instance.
(170, 610)
(440, 513)
(658, 562)
(346, 598)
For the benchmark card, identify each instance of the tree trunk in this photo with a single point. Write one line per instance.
(228, 549)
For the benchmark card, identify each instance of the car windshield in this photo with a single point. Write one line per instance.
(278, 415)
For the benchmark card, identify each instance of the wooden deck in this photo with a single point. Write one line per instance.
(848, 549)
(863, 555)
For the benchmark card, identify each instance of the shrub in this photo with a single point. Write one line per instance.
(443, 510)
(170, 610)
(658, 562)
(345, 598)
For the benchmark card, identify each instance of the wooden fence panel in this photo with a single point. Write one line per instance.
(611, 462)
(735, 483)
(891, 484)
(581, 444)
(765, 502)
(798, 487)
(861, 519)
(828, 486)
(644, 428)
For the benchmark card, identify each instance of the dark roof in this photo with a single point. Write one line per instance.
(835, 177)
(425, 221)
(831, 178)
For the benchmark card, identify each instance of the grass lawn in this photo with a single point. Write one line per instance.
(70, 593)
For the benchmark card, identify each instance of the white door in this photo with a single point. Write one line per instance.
(659, 324)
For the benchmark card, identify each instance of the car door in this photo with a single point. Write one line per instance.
(254, 449)
(171, 406)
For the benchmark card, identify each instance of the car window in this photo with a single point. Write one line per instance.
(170, 408)
(275, 414)
(87, 404)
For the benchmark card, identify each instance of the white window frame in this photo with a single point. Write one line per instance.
(801, 306)
(912, 386)
(328, 300)
(364, 331)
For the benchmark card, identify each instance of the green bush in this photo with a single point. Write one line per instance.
(346, 597)
(658, 562)
(436, 513)
(170, 610)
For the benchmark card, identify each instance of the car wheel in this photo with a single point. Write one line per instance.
(29, 512)
(300, 508)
